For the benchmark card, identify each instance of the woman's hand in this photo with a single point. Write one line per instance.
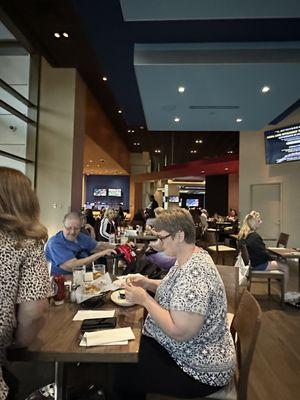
(135, 294)
(137, 281)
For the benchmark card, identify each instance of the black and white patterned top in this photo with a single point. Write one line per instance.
(23, 277)
(197, 287)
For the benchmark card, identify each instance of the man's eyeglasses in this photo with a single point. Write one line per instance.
(70, 228)
(162, 238)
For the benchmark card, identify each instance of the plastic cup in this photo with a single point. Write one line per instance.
(98, 270)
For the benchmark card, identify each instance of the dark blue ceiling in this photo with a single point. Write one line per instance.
(113, 40)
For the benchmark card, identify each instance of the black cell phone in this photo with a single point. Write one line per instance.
(90, 325)
(93, 302)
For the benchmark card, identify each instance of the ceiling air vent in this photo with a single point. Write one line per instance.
(214, 107)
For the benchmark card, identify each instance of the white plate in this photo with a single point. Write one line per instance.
(121, 302)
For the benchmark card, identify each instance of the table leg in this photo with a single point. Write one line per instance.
(299, 275)
(59, 381)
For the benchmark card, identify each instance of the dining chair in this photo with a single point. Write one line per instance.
(263, 276)
(216, 249)
(283, 240)
(230, 277)
(244, 329)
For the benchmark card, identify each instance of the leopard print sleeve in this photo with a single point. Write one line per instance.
(34, 282)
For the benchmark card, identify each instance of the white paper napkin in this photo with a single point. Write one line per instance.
(91, 314)
(106, 337)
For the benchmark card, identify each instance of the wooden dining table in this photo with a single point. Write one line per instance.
(58, 341)
(288, 253)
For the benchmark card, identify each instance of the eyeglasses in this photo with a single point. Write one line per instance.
(70, 228)
(162, 238)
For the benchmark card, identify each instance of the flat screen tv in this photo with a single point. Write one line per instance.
(192, 202)
(114, 192)
(282, 145)
(173, 199)
(98, 192)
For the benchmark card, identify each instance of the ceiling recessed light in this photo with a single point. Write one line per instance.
(176, 119)
(132, 131)
(202, 172)
(104, 78)
(226, 169)
(239, 120)
(129, 130)
(120, 111)
(65, 34)
(57, 35)
(181, 89)
(265, 89)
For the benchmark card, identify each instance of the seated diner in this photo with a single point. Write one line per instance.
(260, 258)
(186, 348)
(70, 248)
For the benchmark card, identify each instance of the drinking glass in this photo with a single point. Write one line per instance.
(98, 270)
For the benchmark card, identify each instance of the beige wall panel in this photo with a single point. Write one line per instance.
(55, 145)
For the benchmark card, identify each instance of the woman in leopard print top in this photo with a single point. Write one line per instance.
(24, 279)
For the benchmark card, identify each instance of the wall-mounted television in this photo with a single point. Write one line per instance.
(98, 192)
(192, 202)
(114, 192)
(282, 145)
(173, 199)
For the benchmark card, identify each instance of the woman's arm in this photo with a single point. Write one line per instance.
(179, 325)
(31, 317)
(141, 281)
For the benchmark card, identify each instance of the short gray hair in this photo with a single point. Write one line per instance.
(174, 220)
(72, 215)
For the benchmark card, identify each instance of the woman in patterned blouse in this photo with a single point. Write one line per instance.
(24, 278)
(186, 348)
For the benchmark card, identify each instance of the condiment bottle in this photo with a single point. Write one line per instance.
(59, 290)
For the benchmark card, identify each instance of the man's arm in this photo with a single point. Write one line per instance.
(75, 262)
(103, 246)
(31, 317)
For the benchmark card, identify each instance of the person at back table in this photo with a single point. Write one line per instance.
(260, 258)
(70, 248)
(151, 207)
(108, 226)
(24, 278)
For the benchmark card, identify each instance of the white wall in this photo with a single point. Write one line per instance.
(55, 144)
(254, 170)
